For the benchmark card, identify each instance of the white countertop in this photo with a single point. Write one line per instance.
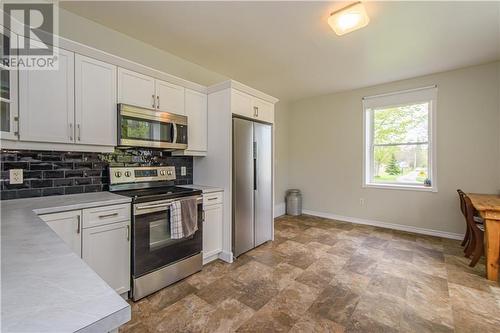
(45, 286)
(204, 188)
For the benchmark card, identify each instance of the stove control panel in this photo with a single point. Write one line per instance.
(121, 175)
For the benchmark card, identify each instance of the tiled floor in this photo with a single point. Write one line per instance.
(325, 276)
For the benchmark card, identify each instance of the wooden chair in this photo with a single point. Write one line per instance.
(461, 195)
(476, 234)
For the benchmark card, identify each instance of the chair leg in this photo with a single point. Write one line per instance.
(466, 237)
(478, 252)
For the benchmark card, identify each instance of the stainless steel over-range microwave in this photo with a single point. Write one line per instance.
(141, 127)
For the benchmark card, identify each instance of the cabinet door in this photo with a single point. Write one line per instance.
(46, 102)
(263, 110)
(95, 102)
(196, 111)
(136, 89)
(169, 97)
(106, 249)
(8, 96)
(67, 225)
(241, 104)
(212, 231)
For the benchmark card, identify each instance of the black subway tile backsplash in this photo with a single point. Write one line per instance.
(53, 174)
(52, 191)
(40, 183)
(29, 193)
(56, 173)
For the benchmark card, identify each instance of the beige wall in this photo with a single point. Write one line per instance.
(325, 151)
(281, 153)
(90, 33)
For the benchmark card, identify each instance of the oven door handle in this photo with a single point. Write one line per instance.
(165, 204)
(153, 206)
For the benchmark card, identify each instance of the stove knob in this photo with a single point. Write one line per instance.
(169, 173)
(118, 174)
(128, 173)
(162, 173)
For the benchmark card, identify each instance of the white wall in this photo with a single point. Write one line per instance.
(90, 33)
(325, 151)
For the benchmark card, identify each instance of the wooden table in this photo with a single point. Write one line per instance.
(488, 206)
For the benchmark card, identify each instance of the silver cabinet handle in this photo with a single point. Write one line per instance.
(158, 102)
(203, 216)
(255, 111)
(128, 232)
(78, 224)
(108, 215)
(78, 131)
(70, 132)
(154, 100)
(210, 199)
(16, 120)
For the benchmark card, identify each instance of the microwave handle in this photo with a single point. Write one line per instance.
(174, 135)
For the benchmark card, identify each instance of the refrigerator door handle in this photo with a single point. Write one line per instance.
(255, 166)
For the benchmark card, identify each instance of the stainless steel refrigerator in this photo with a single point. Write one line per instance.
(252, 185)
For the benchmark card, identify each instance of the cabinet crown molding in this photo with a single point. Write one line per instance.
(243, 88)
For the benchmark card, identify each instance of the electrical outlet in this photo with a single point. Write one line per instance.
(16, 176)
(183, 171)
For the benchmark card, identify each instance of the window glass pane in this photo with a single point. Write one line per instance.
(5, 43)
(5, 85)
(403, 164)
(401, 124)
(4, 116)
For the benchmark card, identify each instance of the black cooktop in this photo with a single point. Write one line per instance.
(153, 192)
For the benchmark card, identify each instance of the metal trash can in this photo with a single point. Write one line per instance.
(293, 202)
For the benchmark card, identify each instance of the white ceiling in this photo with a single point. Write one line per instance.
(288, 50)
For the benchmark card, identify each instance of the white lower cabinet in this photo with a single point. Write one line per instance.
(101, 237)
(68, 226)
(212, 226)
(106, 249)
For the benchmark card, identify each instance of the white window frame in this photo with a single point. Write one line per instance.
(411, 96)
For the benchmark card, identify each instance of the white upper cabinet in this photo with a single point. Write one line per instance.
(95, 102)
(196, 112)
(169, 97)
(241, 103)
(263, 110)
(8, 96)
(251, 107)
(136, 89)
(68, 226)
(144, 91)
(46, 102)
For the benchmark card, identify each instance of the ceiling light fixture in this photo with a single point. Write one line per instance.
(348, 19)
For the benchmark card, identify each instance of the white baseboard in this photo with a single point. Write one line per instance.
(279, 209)
(387, 225)
(226, 256)
(210, 256)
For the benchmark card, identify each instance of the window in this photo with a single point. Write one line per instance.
(399, 138)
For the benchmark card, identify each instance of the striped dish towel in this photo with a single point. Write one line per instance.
(176, 230)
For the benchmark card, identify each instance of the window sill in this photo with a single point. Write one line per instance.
(401, 187)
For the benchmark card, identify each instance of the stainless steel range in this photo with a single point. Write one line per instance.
(157, 259)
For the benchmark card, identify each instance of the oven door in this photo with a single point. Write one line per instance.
(152, 245)
(140, 127)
